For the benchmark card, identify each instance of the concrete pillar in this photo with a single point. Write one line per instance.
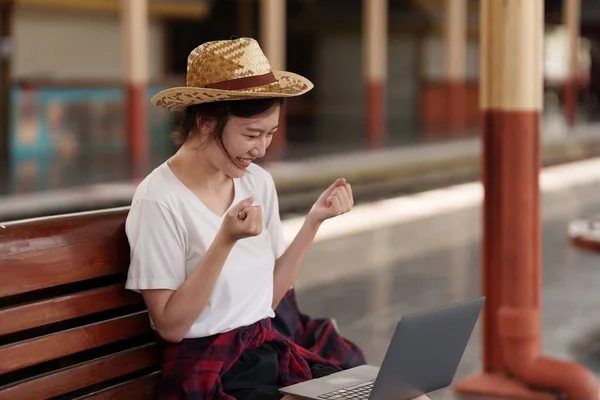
(571, 15)
(455, 60)
(511, 102)
(375, 65)
(135, 56)
(273, 43)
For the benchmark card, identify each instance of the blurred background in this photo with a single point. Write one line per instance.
(395, 109)
(64, 77)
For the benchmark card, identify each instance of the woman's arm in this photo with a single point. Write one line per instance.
(287, 266)
(335, 200)
(174, 312)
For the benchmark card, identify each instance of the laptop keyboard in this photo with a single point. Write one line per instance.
(362, 391)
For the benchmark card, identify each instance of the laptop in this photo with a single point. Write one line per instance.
(423, 356)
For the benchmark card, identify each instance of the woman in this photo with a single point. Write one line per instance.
(207, 248)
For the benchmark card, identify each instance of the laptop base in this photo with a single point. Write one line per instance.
(314, 388)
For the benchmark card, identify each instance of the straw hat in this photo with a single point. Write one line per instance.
(230, 70)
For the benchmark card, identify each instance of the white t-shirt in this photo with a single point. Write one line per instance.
(169, 229)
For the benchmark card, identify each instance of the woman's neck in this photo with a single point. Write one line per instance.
(195, 170)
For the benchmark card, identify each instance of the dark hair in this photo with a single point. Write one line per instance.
(220, 112)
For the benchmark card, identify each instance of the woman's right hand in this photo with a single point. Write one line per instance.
(241, 221)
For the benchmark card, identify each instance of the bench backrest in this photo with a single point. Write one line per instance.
(67, 326)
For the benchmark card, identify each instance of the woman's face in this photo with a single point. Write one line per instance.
(245, 139)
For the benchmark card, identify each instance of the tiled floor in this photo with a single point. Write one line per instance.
(376, 277)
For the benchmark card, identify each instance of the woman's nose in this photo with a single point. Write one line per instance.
(260, 149)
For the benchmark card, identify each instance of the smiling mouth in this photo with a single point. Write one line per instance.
(244, 161)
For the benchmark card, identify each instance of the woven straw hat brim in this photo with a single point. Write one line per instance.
(288, 85)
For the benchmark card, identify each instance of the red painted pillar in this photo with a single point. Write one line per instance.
(570, 89)
(273, 43)
(135, 54)
(375, 47)
(511, 102)
(456, 53)
(456, 107)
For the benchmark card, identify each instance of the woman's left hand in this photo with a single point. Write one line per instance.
(334, 201)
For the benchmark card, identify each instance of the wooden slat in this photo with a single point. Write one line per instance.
(35, 351)
(56, 231)
(81, 376)
(53, 251)
(62, 308)
(139, 389)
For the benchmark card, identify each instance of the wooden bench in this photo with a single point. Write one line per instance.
(68, 328)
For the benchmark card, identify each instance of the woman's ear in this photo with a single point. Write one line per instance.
(199, 122)
(205, 125)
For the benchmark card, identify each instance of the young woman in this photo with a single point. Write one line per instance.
(207, 248)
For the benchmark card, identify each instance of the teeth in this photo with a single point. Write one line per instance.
(245, 160)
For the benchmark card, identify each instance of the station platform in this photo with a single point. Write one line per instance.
(90, 183)
(414, 252)
(425, 251)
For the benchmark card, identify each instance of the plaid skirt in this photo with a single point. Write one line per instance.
(193, 369)
(253, 362)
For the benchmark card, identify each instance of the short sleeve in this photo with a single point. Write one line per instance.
(157, 247)
(273, 219)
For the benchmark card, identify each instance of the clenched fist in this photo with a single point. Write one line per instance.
(336, 200)
(241, 221)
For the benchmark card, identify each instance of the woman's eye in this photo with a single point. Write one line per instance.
(251, 137)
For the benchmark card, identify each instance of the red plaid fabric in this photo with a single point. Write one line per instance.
(192, 369)
(320, 336)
